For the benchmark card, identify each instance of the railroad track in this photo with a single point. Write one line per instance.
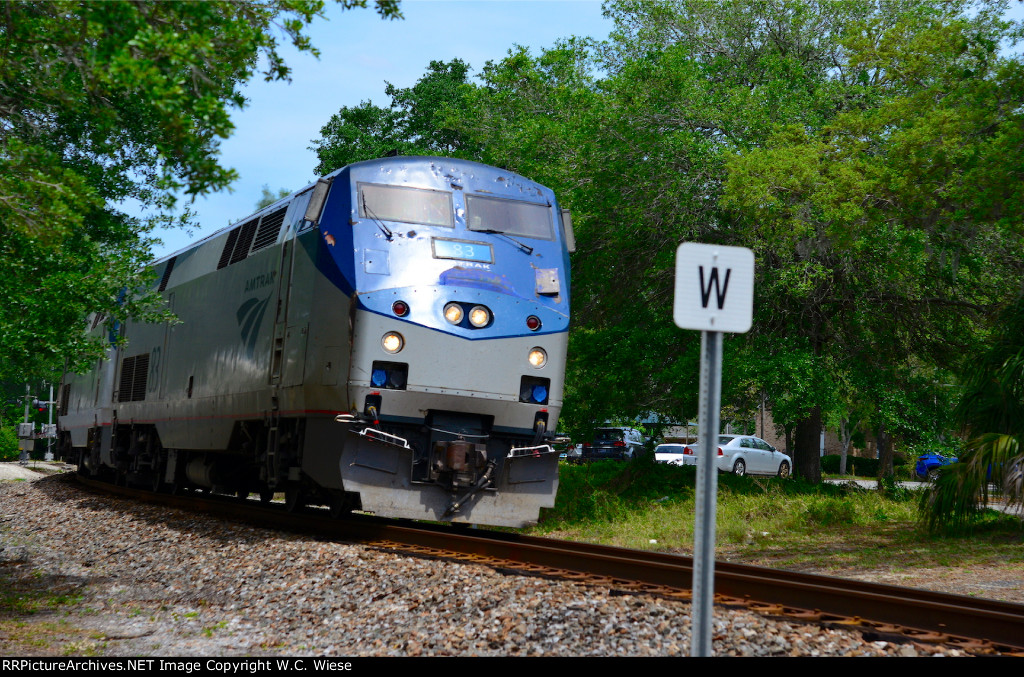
(975, 625)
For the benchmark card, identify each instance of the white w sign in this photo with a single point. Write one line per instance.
(714, 288)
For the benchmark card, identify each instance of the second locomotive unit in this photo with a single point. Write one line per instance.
(391, 338)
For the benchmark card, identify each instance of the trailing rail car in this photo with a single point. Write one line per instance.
(391, 339)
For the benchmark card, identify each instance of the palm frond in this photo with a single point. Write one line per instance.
(992, 410)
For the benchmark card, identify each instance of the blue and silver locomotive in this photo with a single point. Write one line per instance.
(391, 338)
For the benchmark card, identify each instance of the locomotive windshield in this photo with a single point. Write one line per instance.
(511, 217)
(408, 205)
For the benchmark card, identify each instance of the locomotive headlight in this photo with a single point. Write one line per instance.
(538, 358)
(392, 342)
(453, 313)
(479, 316)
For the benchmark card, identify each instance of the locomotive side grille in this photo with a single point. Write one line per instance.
(134, 376)
(167, 274)
(225, 256)
(141, 377)
(124, 388)
(270, 226)
(248, 229)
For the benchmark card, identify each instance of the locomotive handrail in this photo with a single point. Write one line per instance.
(386, 438)
(523, 451)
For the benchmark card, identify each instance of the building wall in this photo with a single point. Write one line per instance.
(767, 431)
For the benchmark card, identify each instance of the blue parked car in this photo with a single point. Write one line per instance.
(928, 465)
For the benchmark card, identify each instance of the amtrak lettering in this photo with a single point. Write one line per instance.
(260, 281)
(250, 317)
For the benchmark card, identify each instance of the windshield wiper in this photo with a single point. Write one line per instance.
(522, 245)
(380, 224)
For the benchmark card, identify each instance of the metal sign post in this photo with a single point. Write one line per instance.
(714, 293)
(50, 432)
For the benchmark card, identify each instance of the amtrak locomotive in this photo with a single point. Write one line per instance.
(391, 339)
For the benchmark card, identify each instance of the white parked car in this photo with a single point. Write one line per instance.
(742, 455)
(673, 454)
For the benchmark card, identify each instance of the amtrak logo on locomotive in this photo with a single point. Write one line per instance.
(250, 317)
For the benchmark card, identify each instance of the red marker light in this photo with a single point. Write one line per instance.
(533, 323)
(400, 308)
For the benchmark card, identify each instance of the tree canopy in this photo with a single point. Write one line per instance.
(869, 154)
(107, 102)
(409, 126)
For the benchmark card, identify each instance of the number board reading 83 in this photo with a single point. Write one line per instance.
(463, 250)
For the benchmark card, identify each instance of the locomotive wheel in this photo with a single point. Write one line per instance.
(294, 497)
(341, 504)
(159, 470)
(266, 495)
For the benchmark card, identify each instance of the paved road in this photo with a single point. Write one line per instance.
(16, 471)
(873, 484)
(995, 503)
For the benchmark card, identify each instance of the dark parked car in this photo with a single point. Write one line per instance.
(615, 443)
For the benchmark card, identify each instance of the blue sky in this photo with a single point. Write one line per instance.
(359, 52)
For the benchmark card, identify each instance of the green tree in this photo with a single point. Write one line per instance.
(268, 197)
(102, 103)
(409, 126)
(845, 142)
(639, 155)
(902, 244)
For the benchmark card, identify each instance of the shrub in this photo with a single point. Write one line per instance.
(828, 511)
(855, 465)
(830, 464)
(8, 444)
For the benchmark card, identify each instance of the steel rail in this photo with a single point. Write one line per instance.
(980, 625)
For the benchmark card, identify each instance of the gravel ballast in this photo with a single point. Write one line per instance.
(141, 580)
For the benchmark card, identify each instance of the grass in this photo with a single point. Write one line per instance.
(209, 630)
(34, 612)
(767, 521)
